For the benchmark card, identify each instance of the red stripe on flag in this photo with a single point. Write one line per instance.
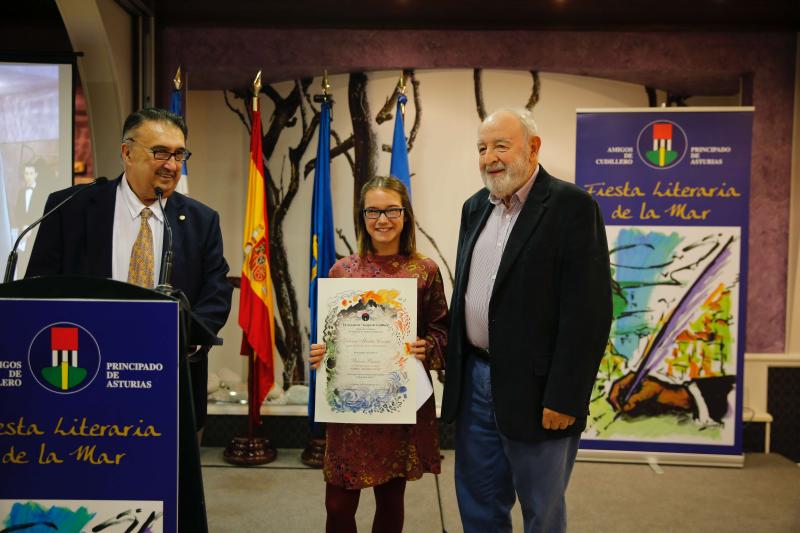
(63, 338)
(255, 302)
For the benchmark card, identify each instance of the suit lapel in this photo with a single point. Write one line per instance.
(529, 217)
(100, 229)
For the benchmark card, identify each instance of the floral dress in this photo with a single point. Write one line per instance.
(366, 455)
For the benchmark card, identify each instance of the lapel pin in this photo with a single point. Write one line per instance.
(181, 217)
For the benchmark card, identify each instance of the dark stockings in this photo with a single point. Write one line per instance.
(341, 505)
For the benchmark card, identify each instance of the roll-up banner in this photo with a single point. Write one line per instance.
(673, 186)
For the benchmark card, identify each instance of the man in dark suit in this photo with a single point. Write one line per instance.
(116, 230)
(30, 199)
(530, 317)
(28, 207)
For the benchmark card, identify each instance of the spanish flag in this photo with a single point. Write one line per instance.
(256, 315)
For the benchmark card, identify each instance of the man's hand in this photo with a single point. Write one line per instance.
(555, 420)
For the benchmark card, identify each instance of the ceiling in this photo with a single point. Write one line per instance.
(37, 25)
(475, 15)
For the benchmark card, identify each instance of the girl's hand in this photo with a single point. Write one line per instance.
(419, 349)
(316, 355)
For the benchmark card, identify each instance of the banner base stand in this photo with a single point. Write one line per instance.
(661, 458)
(249, 451)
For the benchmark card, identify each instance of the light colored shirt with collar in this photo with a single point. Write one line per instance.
(485, 262)
(127, 221)
(28, 195)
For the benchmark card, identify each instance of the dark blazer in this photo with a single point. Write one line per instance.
(549, 313)
(77, 239)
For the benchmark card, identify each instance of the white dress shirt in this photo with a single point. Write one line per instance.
(127, 221)
(28, 195)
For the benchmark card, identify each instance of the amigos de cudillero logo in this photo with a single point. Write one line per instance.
(64, 358)
(662, 144)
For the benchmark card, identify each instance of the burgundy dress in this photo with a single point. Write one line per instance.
(366, 455)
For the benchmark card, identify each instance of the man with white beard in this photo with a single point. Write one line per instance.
(530, 317)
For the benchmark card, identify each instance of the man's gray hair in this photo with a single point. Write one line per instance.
(524, 116)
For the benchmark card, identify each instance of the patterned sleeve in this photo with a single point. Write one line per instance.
(435, 325)
(338, 269)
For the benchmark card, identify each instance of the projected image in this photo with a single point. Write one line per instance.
(35, 147)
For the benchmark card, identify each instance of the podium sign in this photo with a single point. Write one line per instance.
(89, 414)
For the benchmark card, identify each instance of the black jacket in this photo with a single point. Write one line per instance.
(550, 309)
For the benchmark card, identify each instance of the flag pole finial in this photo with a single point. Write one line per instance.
(401, 89)
(325, 83)
(256, 90)
(177, 79)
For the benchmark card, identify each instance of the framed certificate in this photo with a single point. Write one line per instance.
(368, 374)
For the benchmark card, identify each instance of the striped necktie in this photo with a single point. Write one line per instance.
(140, 270)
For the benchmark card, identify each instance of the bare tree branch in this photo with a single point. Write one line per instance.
(310, 101)
(346, 153)
(337, 150)
(476, 76)
(239, 113)
(652, 96)
(535, 91)
(284, 116)
(417, 109)
(342, 236)
(273, 95)
(436, 247)
(677, 100)
(303, 117)
(364, 137)
(387, 111)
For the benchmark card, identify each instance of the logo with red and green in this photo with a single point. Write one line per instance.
(64, 358)
(661, 144)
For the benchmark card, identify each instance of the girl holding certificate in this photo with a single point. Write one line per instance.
(385, 456)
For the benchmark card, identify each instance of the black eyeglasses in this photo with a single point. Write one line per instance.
(160, 154)
(374, 214)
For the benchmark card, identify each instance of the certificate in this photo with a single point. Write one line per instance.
(368, 375)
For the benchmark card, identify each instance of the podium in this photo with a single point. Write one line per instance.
(96, 417)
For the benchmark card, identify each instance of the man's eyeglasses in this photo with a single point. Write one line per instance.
(375, 214)
(160, 154)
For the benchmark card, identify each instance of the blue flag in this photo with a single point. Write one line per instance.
(399, 167)
(175, 106)
(323, 251)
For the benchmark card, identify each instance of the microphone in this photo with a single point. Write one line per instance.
(11, 263)
(165, 275)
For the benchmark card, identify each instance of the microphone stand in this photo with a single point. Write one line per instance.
(165, 275)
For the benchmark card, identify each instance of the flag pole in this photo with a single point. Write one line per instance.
(251, 450)
(323, 257)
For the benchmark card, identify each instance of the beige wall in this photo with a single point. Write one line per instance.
(217, 174)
